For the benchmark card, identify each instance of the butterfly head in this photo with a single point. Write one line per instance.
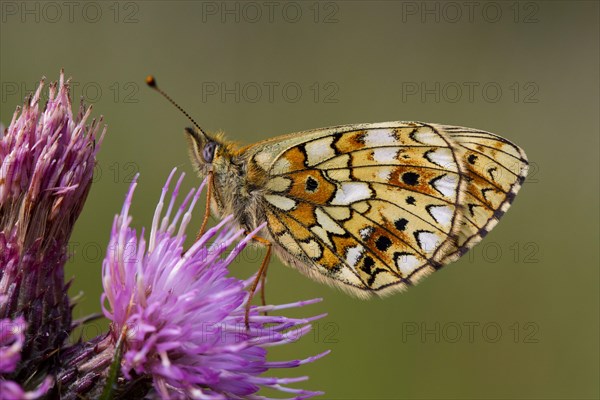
(206, 151)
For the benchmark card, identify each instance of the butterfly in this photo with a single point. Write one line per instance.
(368, 208)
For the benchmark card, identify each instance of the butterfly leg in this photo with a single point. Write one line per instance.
(260, 277)
(209, 189)
(263, 282)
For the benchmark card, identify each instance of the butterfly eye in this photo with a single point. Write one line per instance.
(209, 151)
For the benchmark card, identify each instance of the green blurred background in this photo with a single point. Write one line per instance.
(515, 318)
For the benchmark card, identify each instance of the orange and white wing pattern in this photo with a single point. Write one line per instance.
(373, 208)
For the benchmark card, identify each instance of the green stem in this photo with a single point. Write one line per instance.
(115, 366)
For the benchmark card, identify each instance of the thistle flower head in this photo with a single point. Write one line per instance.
(47, 159)
(184, 316)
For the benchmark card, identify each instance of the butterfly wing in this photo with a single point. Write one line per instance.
(375, 207)
(495, 169)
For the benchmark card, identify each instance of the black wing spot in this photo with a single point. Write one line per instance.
(368, 269)
(411, 200)
(311, 184)
(400, 224)
(410, 178)
(383, 243)
(368, 264)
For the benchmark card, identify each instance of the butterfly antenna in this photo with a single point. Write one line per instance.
(150, 81)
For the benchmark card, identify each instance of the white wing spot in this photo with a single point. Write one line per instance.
(447, 185)
(442, 157)
(365, 233)
(380, 137)
(263, 159)
(385, 154)
(384, 173)
(281, 202)
(407, 263)
(319, 150)
(442, 214)
(353, 254)
(351, 192)
(427, 241)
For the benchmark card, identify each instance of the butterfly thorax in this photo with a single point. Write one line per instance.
(237, 189)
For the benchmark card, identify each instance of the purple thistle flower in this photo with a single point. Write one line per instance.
(184, 318)
(47, 159)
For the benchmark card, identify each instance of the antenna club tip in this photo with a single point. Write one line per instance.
(150, 81)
